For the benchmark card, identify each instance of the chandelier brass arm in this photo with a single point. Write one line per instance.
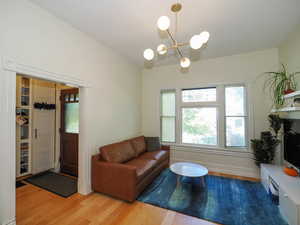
(175, 44)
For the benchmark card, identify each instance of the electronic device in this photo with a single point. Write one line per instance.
(292, 141)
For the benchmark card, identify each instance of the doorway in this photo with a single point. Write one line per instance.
(69, 130)
(10, 68)
(45, 153)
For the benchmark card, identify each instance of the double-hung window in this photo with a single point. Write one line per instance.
(199, 116)
(210, 116)
(168, 115)
(235, 116)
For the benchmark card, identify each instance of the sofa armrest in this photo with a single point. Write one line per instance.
(165, 147)
(115, 179)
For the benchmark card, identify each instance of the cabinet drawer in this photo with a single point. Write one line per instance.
(288, 208)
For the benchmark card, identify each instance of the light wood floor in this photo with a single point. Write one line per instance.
(36, 206)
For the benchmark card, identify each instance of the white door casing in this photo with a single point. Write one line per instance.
(8, 70)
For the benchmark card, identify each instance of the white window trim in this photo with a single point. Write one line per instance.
(221, 139)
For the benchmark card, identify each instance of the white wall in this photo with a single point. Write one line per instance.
(35, 37)
(245, 68)
(289, 52)
(110, 108)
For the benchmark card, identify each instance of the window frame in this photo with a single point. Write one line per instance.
(161, 115)
(245, 116)
(219, 104)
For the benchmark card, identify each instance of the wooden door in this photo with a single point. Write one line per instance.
(69, 131)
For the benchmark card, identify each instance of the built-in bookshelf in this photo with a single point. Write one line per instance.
(23, 125)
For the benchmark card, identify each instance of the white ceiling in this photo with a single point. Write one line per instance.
(129, 26)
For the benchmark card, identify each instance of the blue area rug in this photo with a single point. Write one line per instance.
(222, 200)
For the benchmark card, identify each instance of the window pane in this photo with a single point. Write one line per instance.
(67, 97)
(234, 101)
(199, 95)
(235, 132)
(168, 129)
(168, 103)
(72, 117)
(72, 97)
(199, 126)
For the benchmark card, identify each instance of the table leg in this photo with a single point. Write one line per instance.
(203, 181)
(178, 181)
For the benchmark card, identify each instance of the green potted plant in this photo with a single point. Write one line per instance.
(264, 149)
(275, 123)
(280, 83)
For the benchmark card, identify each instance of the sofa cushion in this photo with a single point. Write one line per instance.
(118, 152)
(138, 144)
(159, 155)
(143, 166)
(152, 143)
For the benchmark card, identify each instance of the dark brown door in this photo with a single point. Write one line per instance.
(69, 131)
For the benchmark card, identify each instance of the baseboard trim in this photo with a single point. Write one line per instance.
(13, 222)
(226, 169)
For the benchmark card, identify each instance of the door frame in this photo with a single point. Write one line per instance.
(9, 68)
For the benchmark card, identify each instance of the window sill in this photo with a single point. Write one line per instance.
(237, 152)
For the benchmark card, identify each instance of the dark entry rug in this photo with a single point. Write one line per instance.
(56, 183)
(19, 184)
(222, 200)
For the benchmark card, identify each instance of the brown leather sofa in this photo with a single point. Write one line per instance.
(124, 169)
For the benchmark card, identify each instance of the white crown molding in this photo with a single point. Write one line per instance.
(12, 65)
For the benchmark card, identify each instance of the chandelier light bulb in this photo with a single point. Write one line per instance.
(162, 49)
(204, 36)
(196, 42)
(149, 54)
(163, 23)
(185, 62)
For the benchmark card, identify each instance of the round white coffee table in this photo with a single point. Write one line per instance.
(188, 169)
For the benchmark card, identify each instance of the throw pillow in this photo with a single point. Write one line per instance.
(152, 144)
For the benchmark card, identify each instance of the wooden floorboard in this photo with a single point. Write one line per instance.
(36, 206)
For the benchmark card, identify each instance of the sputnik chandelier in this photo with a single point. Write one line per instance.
(196, 42)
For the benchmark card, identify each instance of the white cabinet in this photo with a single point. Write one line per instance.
(289, 191)
(264, 178)
(288, 208)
